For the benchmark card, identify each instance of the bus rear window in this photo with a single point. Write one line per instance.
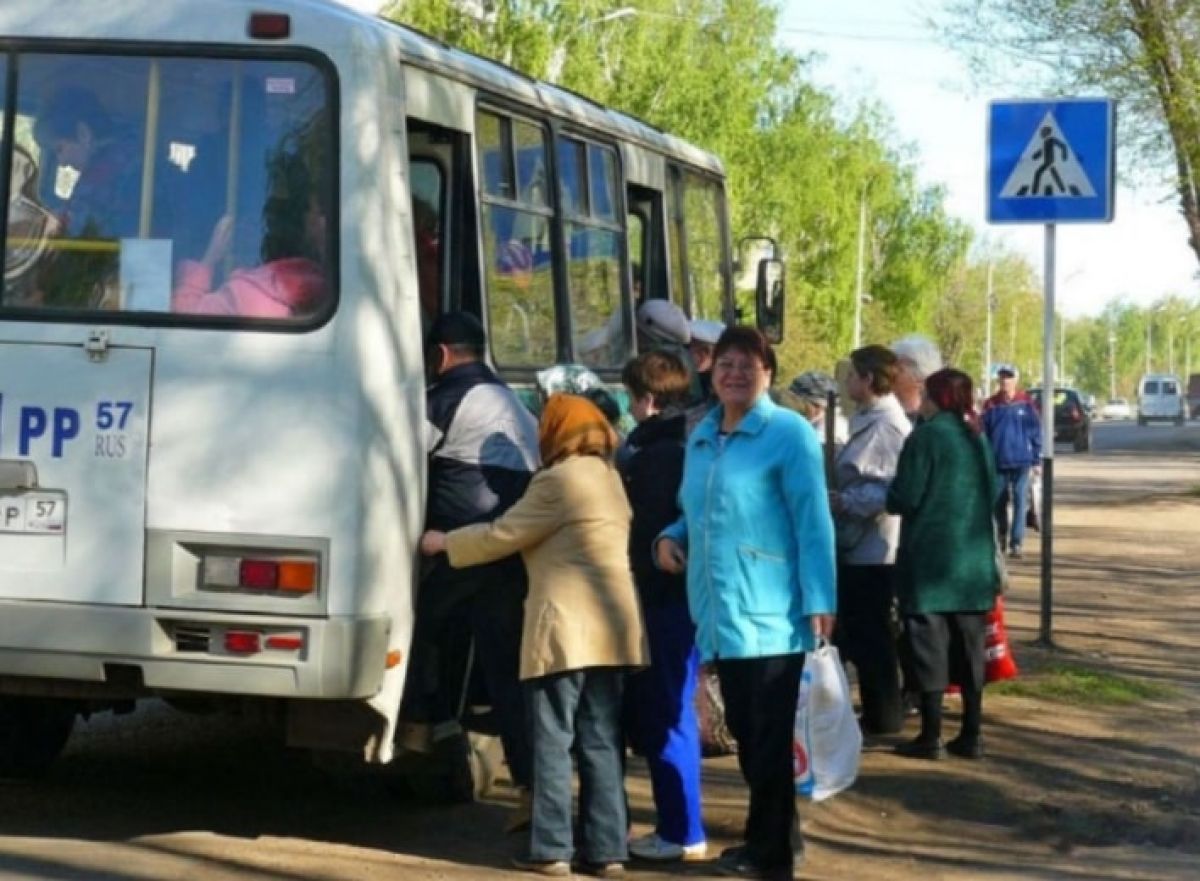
(183, 187)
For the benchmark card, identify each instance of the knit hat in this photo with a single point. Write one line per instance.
(813, 386)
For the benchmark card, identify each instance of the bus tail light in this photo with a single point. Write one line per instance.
(243, 642)
(259, 574)
(265, 573)
(287, 642)
(269, 26)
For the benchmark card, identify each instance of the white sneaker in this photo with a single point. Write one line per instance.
(657, 849)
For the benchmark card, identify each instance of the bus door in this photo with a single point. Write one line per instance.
(73, 422)
(647, 243)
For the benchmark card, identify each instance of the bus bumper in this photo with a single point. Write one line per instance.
(131, 652)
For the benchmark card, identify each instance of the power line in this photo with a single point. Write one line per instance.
(859, 37)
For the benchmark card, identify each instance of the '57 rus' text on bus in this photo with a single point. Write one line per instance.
(225, 235)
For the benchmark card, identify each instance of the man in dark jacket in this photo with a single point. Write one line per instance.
(660, 707)
(1012, 425)
(483, 450)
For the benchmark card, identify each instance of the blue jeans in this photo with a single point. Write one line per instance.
(1014, 485)
(580, 707)
(660, 717)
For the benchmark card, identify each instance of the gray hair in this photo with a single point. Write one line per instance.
(919, 354)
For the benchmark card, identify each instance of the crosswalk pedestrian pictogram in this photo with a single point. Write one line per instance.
(1048, 167)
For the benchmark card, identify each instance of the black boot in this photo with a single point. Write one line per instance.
(969, 743)
(927, 744)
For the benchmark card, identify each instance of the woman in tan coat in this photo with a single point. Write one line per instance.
(582, 632)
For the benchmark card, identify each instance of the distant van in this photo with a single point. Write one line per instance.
(1160, 397)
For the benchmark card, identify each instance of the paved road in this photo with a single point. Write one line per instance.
(1128, 460)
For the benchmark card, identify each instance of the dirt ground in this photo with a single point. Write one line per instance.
(1068, 790)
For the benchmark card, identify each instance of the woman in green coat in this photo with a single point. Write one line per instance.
(944, 489)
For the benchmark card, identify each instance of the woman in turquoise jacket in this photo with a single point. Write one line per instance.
(756, 539)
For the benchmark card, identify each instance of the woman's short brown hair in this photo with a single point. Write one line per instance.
(879, 364)
(660, 374)
(748, 341)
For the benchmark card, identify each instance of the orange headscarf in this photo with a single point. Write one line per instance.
(573, 426)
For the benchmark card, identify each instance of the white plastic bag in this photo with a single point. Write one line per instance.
(827, 742)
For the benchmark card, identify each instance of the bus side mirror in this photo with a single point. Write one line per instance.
(769, 299)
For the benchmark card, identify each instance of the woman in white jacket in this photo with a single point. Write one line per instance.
(867, 535)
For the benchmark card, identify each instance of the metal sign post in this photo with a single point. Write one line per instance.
(1050, 162)
(1045, 628)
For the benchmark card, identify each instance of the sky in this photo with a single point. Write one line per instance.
(882, 50)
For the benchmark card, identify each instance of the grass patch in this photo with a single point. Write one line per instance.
(1084, 687)
(1194, 491)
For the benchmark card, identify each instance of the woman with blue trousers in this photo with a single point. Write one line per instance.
(660, 711)
(756, 540)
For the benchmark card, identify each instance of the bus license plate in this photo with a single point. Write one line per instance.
(37, 513)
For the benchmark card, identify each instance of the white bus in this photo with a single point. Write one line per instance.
(228, 224)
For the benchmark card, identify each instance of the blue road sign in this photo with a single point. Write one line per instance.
(1051, 161)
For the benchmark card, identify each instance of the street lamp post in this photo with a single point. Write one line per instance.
(987, 341)
(558, 58)
(858, 275)
(1112, 365)
(1171, 345)
(1062, 349)
(1149, 340)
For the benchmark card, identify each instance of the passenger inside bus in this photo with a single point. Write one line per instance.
(428, 249)
(291, 280)
(75, 128)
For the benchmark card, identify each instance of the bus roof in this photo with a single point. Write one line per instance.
(423, 50)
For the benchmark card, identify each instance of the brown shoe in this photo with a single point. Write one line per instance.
(603, 870)
(555, 868)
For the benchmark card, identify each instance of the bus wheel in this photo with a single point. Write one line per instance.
(33, 732)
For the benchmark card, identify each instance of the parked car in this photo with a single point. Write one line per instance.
(1116, 408)
(1160, 397)
(1071, 421)
(1193, 396)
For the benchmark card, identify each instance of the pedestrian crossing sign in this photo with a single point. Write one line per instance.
(1051, 161)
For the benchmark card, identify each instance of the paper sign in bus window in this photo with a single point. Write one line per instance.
(146, 275)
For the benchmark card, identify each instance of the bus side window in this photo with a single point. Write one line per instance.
(595, 269)
(706, 253)
(517, 218)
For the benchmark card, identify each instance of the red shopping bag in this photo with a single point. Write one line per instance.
(997, 651)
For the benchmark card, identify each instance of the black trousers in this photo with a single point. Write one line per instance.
(760, 709)
(864, 638)
(456, 608)
(947, 647)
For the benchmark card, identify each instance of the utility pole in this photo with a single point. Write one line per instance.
(1012, 335)
(987, 342)
(1149, 339)
(858, 281)
(1112, 364)
(1062, 349)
